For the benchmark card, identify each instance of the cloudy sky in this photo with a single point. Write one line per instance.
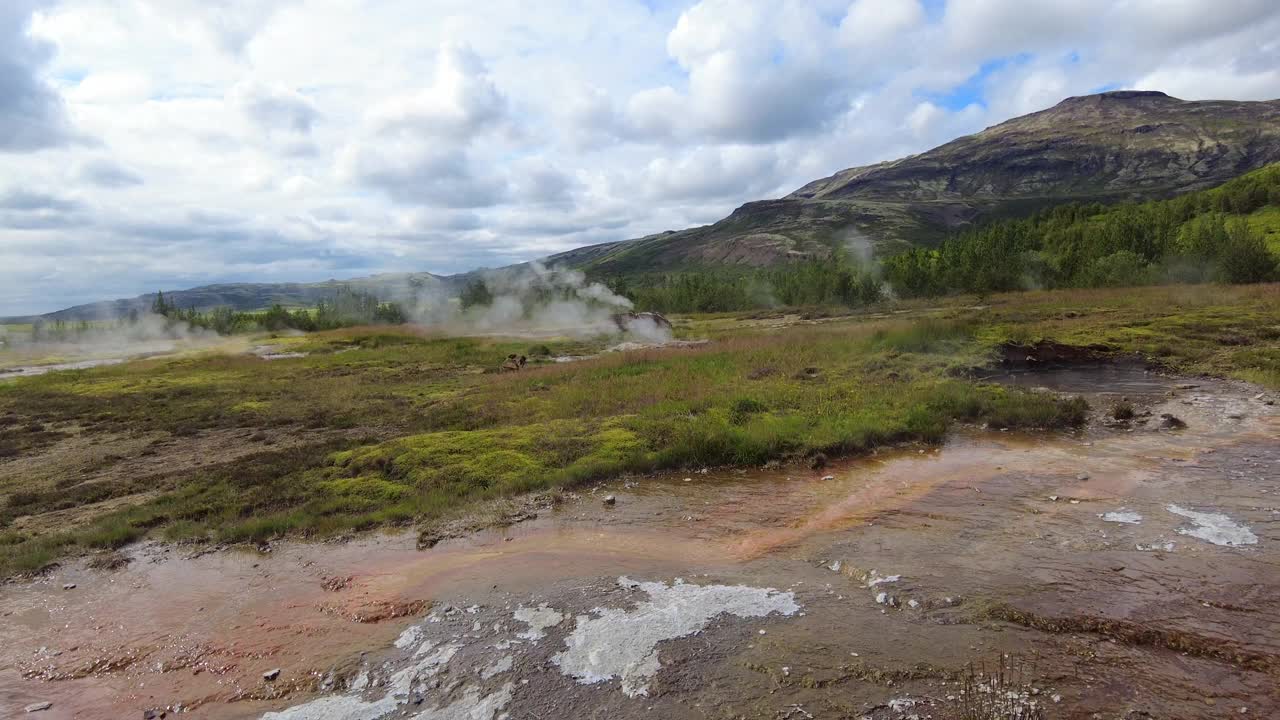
(168, 143)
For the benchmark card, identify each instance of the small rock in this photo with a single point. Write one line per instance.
(688, 479)
(1172, 422)
(610, 500)
(1186, 386)
(154, 714)
(1053, 498)
(1117, 568)
(271, 674)
(828, 477)
(1082, 477)
(69, 586)
(37, 707)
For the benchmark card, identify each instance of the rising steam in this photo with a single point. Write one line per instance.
(537, 301)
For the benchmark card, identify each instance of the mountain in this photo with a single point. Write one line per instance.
(1106, 147)
(256, 296)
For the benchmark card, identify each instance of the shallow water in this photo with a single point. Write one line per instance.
(91, 357)
(31, 370)
(1107, 379)
(896, 558)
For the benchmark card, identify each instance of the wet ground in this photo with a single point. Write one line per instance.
(58, 357)
(29, 370)
(1126, 571)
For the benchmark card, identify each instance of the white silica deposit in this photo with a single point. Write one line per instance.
(429, 660)
(538, 619)
(1128, 517)
(623, 644)
(1215, 528)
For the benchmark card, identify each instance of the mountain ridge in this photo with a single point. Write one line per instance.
(1105, 147)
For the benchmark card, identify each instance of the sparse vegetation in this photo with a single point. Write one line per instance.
(401, 426)
(1123, 410)
(996, 693)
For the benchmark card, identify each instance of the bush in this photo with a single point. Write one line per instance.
(1123, 410)
(1244, 257)
(742, 410)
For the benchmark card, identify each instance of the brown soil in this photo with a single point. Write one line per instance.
(139, 465)
(996, 539)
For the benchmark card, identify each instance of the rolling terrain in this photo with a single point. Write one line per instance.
(1108, 147)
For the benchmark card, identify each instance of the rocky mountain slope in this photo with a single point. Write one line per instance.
(1105, 147)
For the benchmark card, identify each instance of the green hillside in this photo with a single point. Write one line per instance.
(1104, 148)
(1230, 233)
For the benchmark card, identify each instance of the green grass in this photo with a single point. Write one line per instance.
(428, 427)
(1266, 222)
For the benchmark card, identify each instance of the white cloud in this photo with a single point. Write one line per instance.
(274, 107)
(105, 173)
(879, 22)
(330, 138)
(460, 103)
(32, 114)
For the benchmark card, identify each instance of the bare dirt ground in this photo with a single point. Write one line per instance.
(1128, 571)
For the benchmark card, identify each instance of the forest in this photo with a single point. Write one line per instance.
(1200, 237)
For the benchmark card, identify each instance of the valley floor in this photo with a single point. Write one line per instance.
(1121, 566)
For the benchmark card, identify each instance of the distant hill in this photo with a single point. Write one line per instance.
(1113, 146)
(1108, 147)
(256, 296)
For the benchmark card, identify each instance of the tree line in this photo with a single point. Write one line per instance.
(835, 281)
(347, 308)
(1195, 238)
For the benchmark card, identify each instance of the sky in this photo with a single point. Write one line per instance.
(160, 144)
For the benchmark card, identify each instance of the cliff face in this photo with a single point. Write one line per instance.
(1106, 147)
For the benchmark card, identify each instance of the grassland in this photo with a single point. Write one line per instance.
(377, 427)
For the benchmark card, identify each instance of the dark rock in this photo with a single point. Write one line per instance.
(1171, 422)
(271, 675)
(610, 500)
(817, 461)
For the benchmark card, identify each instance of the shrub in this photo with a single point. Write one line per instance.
(1123, 410)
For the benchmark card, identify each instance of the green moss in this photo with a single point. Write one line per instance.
(463, 464)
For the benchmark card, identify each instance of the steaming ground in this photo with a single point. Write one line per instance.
(531, 301)
(234, 494)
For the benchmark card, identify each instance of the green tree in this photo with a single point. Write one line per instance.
(476, 292)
